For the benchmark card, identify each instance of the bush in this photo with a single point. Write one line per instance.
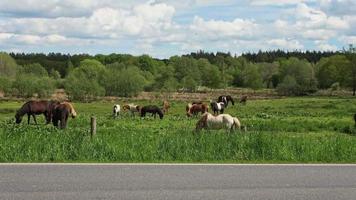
(28, 85)
(288, 86)
(80, 87)
(5, 85)
(125, 82)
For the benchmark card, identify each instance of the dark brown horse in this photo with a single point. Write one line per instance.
(194, 109)
(61, 113)
(243, 99)
(226, 99)
(32, 108)
(151, 109)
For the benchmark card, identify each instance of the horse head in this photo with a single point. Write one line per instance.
(229, 98)
(18, 117)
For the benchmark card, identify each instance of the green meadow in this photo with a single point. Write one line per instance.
(287, 130)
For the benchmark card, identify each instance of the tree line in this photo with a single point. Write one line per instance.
(85, 77)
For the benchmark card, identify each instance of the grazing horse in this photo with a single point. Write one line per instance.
(151, 109)
(226, 100)
(32, 108)
(132, 108)
(189, 105)
(243, 99)
(217, 107)
(222, 121)
(165, 106)
(194, 109)
(116, 110)
(61, 112)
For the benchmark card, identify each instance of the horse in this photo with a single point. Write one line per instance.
(218, 107)
(226, 99)
(116, 110)
(61, 112)
(165, 106)
(194, 109)
(189, 105)
(32, 108)
(222, 121)
(243, 99)
(151, 109)
(132, 108)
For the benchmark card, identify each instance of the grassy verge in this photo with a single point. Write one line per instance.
(293, 130)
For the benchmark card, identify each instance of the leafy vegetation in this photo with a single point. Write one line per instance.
(85, 77)
(280, 130)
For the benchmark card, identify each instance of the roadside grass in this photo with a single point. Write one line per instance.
(290, 130)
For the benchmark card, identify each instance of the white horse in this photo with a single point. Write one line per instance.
(116, 110)
(222, 121)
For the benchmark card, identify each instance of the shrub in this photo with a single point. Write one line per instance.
(288, 86)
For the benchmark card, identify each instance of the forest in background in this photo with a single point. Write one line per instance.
(85, 77)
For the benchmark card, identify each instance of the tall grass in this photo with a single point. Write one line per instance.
(288, 130)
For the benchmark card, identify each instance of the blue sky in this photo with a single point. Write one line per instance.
(166, 28)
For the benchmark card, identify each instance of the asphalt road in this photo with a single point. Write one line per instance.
(91, 181)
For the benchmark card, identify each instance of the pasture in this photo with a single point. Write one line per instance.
(289, 130)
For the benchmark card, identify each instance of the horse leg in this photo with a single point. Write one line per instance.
(221, 111)
(28, 118)
(34, 118)
(64, 122)
(55, 122)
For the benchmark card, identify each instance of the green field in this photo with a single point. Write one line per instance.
(308, 129)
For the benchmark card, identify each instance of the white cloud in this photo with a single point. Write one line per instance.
(275, 2)
(323, 46)
(218, 29)
(285, 44)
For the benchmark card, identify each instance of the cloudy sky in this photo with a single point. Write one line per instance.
(165, 28)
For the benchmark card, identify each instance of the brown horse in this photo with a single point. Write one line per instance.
(187, 107)
(61, 113)
(32, 108)
(165, 106)
(132, 108)
(194, 109)
(243, 99)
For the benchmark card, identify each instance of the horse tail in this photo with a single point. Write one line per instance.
(202, 123)
(236, 124)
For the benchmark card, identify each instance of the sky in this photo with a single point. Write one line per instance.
(166, 28)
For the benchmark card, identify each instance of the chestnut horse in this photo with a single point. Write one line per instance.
(165, 106)
(194, 109)
(32, 108)
(61, 112)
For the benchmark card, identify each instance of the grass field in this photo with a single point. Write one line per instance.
(308, 129)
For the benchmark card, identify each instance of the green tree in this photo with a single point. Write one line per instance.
(125, 82)
(35, 69)
(81, 87)
(54, 74)
(189, 83)
(8, 66)
(5, 85)
(252, 78)
(289, 86)
(302, 72)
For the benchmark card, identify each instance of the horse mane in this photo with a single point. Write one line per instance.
(71, 108)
